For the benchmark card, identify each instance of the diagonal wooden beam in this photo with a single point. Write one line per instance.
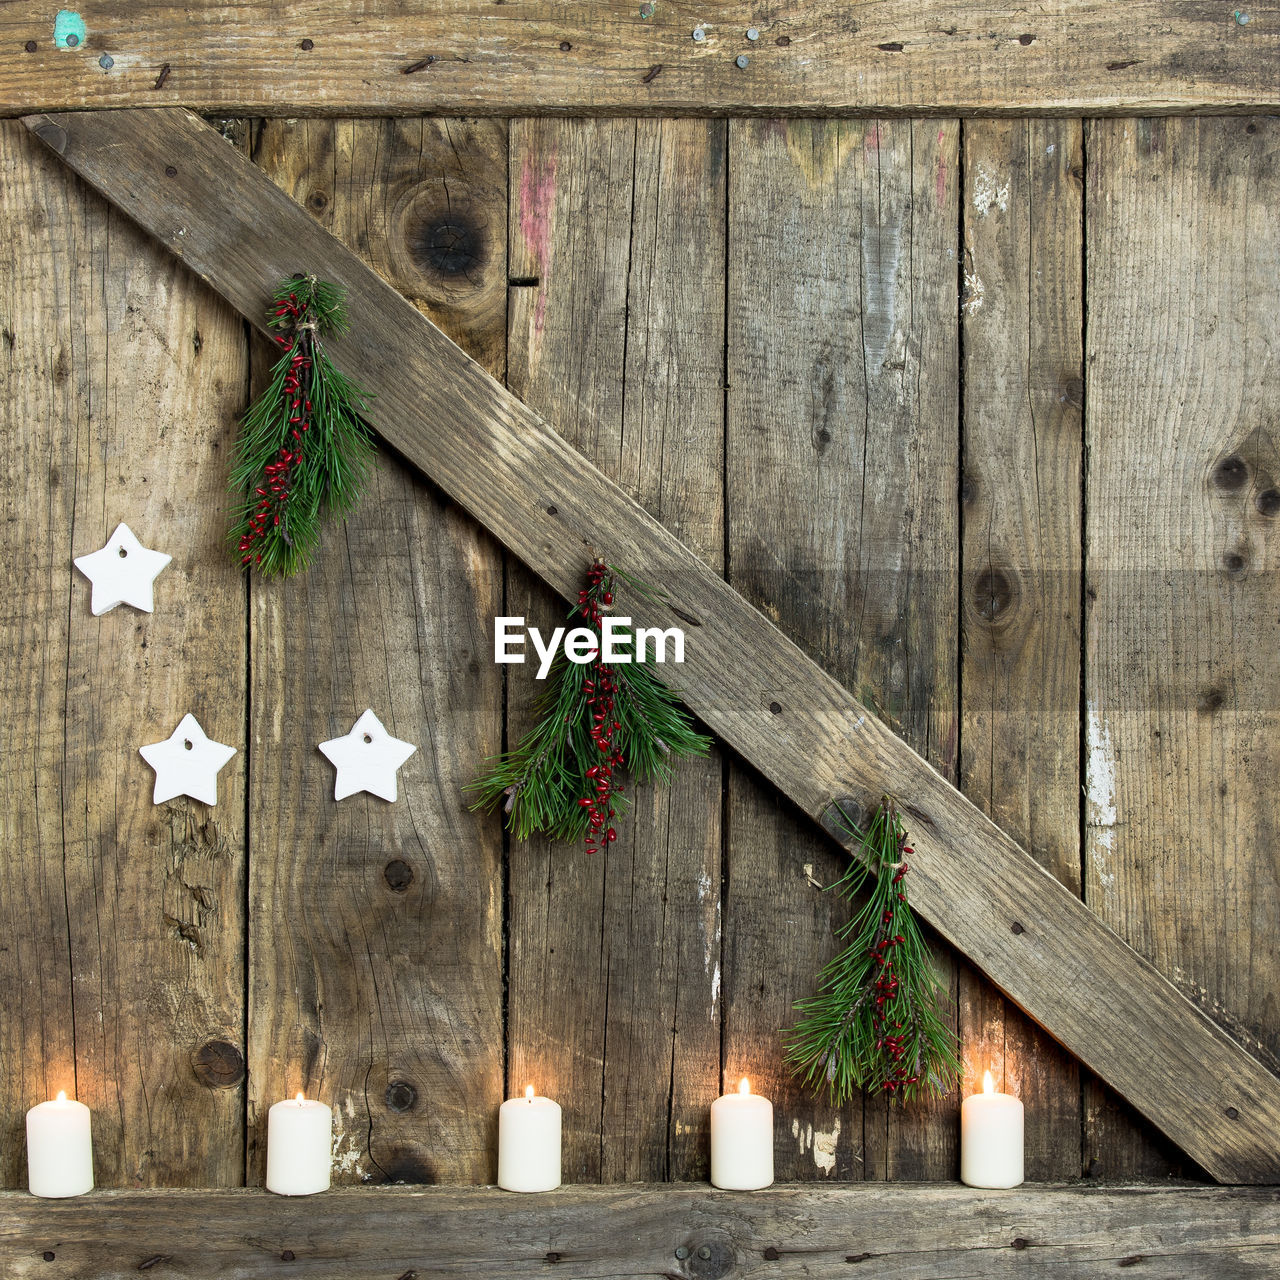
(1037, 942)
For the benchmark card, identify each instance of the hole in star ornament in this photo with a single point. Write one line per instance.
(122, 572)
(187, 763)
(366, 759)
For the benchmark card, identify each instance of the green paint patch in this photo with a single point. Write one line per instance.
(68, 29)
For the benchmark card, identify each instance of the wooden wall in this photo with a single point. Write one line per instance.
(983, 415)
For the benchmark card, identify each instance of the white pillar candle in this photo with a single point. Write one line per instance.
(299, 1147)
(990, 1138)
(59, 1149)
(529, 1143)
(742, 1140)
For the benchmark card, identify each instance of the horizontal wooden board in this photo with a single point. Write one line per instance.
(466, 57)
(681, 1232)
(752, 685)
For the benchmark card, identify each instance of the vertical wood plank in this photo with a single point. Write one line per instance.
(841, 472)
(1183, 598)
(1022, 317)
(376, 929)
(125, 920)
(617, 336)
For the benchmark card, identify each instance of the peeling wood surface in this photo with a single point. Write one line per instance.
(682, 1232)
(494, 454)
(1183, 596)
(625, 57)
(841, 470)
(617, 335)
(375, 951)
(122, 922)
(1022, 310)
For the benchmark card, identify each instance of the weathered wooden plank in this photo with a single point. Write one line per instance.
(1183, 597)
(550, 506)
(615, 959)
(1022, 312)
(124, 922)
(842, 458)
(376, 929)
(903, 1232)
(814, 56)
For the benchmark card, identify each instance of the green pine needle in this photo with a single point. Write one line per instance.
(875, 1022)
(304, 450)
(541, 782)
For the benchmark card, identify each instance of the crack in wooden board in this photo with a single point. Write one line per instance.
(177, 178)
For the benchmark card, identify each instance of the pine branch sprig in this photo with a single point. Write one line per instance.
(304, 449)
(875, 1023)
(594, 723)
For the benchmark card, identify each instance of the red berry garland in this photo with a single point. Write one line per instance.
(304, 449)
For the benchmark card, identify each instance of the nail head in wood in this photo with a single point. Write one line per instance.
(287, 1255)
(1017, 927)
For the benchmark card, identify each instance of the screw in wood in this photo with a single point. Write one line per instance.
(1242, 20)
(705, 1252)
(73, 39)
(106, 62)
(742, 60)
(682, 1252)
(753, 33)
(699, 34)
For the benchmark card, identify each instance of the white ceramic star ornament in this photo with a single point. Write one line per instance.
(367, 759)
(187, 763)
(123, 572)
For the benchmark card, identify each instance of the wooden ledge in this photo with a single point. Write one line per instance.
(681, 1232)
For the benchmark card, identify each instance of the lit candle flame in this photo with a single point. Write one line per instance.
(744, 1085)
(988, 1085)
(62, 1095)
(528, 1093)
(301, 1098)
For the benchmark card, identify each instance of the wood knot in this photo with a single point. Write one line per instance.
(317, 202)
(1231, 473)
(1209, 701)
(994, 594)
(401, 1096)
(218, 1064)
(711, 1256)
(1073, 392)
(1235, 563)
(1268, 502)
(1026, 38)
(398, 874)
(452, 245)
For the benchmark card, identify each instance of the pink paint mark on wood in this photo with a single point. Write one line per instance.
(942, 178)
(872, 139)
(537, 200)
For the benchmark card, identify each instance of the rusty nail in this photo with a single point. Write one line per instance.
(699, 34)
(31, 46)
(418, 66)
(287, 1255)
(156, 1259)
(306, 45)
(565, 46)
(652, 74)
(742, 60)
(48, 1255)
(753, 33)
(162, 77)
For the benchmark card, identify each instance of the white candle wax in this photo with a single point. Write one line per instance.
(299, 1147)
(529, 1143)
(742, 1140)
(990, 1138)
(59, 1149)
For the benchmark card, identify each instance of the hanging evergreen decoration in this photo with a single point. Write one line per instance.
(596, 721)
(304, 450)
(875, 1022)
